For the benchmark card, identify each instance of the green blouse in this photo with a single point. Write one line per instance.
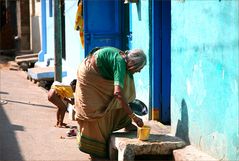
(111, 65)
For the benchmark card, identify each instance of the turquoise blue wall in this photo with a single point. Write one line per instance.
(140, 39)
(205, 75)
(74, 50)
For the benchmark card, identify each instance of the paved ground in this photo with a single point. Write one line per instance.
(27, 121)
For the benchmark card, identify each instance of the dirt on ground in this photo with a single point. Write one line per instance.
(7, 62)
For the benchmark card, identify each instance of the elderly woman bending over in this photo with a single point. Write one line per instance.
(105, 86)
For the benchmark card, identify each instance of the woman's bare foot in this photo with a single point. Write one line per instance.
(61, 125)
(56, 125)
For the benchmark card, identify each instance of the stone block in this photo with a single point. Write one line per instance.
(128, 145)
(191, 153)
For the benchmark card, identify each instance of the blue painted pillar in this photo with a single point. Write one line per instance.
(166, 61)
(156, 60)
(44, 35)
(161, 62)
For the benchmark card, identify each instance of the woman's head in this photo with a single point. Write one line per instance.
(136, 60)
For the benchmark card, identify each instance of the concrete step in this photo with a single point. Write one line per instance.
(191, 153)
(42, 73)
(125, 145)
(27, 58)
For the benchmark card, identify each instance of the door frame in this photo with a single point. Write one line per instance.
(161, 61)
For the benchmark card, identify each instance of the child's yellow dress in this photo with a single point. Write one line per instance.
(64, 91)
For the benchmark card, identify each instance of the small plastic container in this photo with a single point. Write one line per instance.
(143, 132)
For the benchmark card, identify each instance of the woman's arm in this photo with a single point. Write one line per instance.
(120, 96)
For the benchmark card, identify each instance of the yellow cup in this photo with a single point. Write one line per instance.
(143, 132)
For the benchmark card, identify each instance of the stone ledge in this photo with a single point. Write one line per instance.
(128, 146)
(190, 153)
(43, 73)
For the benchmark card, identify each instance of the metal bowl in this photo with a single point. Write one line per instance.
(138, 107)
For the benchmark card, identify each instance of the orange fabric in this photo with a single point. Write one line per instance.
(79, 22)
(64, 91)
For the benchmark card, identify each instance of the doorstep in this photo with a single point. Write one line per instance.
(124, 146)
(42, 73)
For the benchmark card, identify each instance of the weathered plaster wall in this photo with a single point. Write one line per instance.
(50, 34)
(205, 75)
(74, 51)
(140, 39)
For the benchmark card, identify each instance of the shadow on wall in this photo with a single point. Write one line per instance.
(182, 125)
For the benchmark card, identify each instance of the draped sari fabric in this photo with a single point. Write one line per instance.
(99, 113)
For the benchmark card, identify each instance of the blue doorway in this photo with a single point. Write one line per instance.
(105, 24)
(161, 60)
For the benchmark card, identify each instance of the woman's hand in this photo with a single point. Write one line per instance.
(138, 121)
(121, 98)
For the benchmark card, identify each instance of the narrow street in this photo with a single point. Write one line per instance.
(27, 121)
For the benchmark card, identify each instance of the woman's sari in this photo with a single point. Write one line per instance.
(99, 113)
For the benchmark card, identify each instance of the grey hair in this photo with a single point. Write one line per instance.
(137, 58)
